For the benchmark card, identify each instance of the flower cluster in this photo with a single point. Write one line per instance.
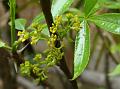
(28, 69)
(40, 65)
(23, 35)
(53, 31)
(54, 55)
(74, 21)
(35, 34)
(25, 68)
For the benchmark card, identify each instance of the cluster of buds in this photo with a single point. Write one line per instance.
(53, 30)
(25, 68)
(59, 30)
(74, 21)
(35, 34)
(23, 35)
(54, 56)
(35, 68)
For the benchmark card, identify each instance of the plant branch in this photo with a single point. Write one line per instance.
(46, 8)
(12, 17)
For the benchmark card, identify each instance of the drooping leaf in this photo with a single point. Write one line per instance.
(82, 50)
(109, 22)
(60, 6)
(89, 6)
(116, 71)
(19, 24)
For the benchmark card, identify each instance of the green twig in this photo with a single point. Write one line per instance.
(12, 4)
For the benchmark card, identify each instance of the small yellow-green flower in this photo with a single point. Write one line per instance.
(37, 57)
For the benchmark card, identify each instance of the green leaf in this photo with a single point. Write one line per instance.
(110, 4)
(60, 6)
(109, 22)
(116, 71)
(89, 6)
(19, 24)
(39, 18)
(82, 50)
(3, 45)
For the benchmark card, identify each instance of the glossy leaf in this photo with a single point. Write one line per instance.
(19, 24)
(89, 6)
(82, 50)
(116, 71)
(60, 6)
(108, 22)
